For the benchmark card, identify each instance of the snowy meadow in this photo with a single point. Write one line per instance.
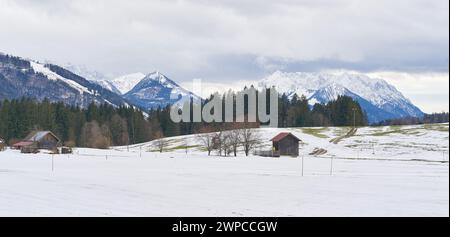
(378, 171)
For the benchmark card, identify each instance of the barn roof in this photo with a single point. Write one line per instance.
(23, 143)
(283, 135)
(37, 136)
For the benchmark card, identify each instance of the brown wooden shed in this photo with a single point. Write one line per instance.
(39, 140)
(286, 144)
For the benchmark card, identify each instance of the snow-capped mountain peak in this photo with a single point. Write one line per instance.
(93, 76)
(157, 90)
(119, 85)
(323, 87)
(126, 82)
(328, 93)
(86, 72)
(160, 78)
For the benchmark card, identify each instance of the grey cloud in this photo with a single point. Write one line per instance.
(223, 40)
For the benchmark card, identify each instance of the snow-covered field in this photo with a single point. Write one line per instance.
(380, 171)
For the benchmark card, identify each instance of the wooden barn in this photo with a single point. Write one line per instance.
(38, 140)
(285, 144)
(2, 144)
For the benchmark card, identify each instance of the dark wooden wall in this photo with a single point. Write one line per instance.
(288, 146)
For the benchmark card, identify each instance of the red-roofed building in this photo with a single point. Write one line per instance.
(38, 140)
(286, 144)
(21, 144)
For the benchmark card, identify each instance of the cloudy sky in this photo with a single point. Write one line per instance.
(230, 41)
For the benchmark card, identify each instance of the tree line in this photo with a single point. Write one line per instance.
(427, 118)
(101, 126)
(98, 126)
(296, 112)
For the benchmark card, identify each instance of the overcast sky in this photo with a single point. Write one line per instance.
(405, 41)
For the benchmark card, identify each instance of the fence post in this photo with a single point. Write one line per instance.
(52, 163)
(303, 165)
(331, 168)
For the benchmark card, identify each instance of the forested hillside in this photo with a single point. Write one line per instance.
(104, 125)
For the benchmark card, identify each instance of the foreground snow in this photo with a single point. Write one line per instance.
(136, 182)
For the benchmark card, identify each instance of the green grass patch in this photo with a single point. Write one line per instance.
(397, 130)
(341, 131)
(317, 132)
(436, 127)
(183, 147)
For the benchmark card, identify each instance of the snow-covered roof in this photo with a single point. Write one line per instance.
(37, 136)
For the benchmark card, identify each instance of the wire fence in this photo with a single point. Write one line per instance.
(444, 160)
(305, 167)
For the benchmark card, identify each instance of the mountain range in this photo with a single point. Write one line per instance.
(156, 90)
(27, 78)
(119, 85)
(79, 86)
(379, 99)
(146, 91)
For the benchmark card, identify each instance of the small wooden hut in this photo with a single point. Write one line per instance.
(38, 140)
(285, 144)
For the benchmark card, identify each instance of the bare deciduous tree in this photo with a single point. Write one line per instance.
(227, 142)
(218, 142)
(234, 140)
(206, 139)
(160, 142)
(94, 136)
(249, 138)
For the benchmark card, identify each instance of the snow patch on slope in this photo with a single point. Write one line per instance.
(40, 68)
(126, 82)
(375, 90)
(86, 72)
